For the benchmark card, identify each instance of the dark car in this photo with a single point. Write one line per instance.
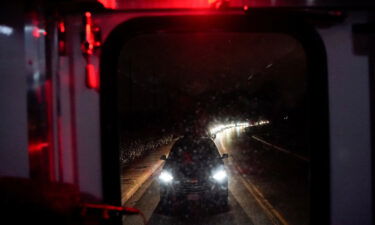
(194, 172)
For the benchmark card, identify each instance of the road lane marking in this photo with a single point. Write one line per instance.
(137, 183)
(281, 149)
(143, 173)
(275, 217)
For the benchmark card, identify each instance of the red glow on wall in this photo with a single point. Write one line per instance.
(36, 32)
(61, 27)
(90, 39)
(88, 14)
(62, 47)
(109, 4)
(37, 147)
(50, 111)
(182, 4)
(336, 13)
(92, 78)
(61, 38)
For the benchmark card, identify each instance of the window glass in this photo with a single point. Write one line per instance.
(209, 94)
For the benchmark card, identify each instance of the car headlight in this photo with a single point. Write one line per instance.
(166, 176)
(220, 175)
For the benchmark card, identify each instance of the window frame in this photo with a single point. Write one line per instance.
(295, 26)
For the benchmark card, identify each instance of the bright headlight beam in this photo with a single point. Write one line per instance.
(166, 176)
(220, 175)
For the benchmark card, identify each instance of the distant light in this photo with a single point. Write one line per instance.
(243, 124)
(6, 30)
(222, 127)
(245, 7)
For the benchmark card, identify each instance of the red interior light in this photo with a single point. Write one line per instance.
(61, 27)
(92, 78)
(36, 32)
(109, 4)
(37, 147)
(61, 38)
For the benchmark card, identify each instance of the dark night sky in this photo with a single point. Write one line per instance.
(172, 72)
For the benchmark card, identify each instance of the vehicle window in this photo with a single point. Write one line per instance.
(197, 149)
(203, 95)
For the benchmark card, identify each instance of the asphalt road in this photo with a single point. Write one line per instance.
(266, 186)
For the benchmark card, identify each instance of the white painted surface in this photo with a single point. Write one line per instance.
(86, 112)
(350, 127)
(14, 160)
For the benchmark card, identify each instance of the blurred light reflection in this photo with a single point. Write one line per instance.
(238, 125)
(6, 30)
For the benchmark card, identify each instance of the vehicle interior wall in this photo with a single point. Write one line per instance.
(14, 159)
(350, 148)
(81, 114)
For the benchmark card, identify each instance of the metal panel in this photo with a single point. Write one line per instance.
(13, 122)
(349, 126)
(84, 113)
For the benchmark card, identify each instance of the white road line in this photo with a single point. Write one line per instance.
(275, 217)
(271, 212)
(281, 149)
